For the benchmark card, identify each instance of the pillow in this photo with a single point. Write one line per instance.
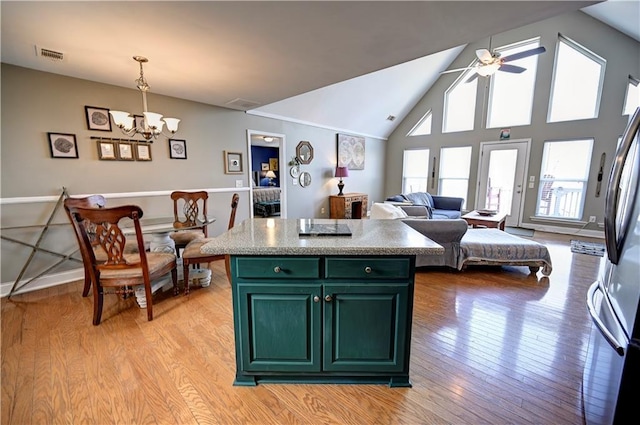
(396, 198)
(381, 211)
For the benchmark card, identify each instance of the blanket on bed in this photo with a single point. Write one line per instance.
(496, 247)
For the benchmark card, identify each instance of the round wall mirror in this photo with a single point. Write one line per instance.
(304, 152)
(305, 179)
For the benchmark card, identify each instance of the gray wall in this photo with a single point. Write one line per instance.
(34, 103)
(623, 59)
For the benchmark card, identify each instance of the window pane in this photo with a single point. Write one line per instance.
(415, 170)
(455, 164)
(577, 83)
(632, 99)
(511, 95)
(423, 127)
(563, 178)
(460, 104)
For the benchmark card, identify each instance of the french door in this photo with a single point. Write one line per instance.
(501, 177)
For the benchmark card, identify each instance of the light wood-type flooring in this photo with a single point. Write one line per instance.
(489, 346)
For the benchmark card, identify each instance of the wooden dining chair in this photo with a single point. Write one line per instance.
(92, 201)
(119, 273)
(189, 208)
(193, 255)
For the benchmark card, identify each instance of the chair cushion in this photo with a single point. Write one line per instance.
(193, 249)
(183, 237)
(156, 261)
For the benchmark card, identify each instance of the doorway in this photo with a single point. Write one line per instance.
(501, 178)
(265, 171)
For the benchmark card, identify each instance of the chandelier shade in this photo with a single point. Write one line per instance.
(153, 123)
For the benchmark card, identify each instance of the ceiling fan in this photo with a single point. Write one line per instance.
(488, 63)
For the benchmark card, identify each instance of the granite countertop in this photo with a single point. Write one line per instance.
(269, 236)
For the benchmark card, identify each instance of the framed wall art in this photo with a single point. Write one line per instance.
(63, 145)
(98, 118)
(273, 164)
(232, 162)
(138, 121)
(143, 152)
(351, 152)
(106, 150)
(177, 149)
(264, 166)
(125, 151)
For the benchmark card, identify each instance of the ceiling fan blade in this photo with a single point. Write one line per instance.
(456, 70)
(484, 55)
(473, 77)
(525, 54)
(512, 68)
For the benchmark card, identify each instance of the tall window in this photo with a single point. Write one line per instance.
(415, 170)
(423, 127)
(455, 164)
(577, 82)
(460, 104)
(511, 95)
(632, 99)
(563, 178)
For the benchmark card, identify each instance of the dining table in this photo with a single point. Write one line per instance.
(160, 229)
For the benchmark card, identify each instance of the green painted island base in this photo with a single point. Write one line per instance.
(253, 380)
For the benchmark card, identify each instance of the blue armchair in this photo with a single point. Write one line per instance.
(439, 207)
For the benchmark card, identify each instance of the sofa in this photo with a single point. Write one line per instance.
(266, 201)
(439, 207)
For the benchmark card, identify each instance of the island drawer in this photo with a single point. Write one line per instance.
(367, 268)
(277, 267)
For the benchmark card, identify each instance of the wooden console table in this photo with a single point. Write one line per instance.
(350, 205)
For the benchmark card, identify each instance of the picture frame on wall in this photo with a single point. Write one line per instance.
(351, 152)
(177, 149)
(233, 162)
(98, 118)
(273, 164)
(264, 166)
(106, 150)
(143, 152)
(63, 145)
(125, 151)
(138, 121)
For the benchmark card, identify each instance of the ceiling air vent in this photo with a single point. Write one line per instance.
(49, 54)
(242, 104)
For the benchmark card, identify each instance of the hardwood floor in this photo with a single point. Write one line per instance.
(489, 345)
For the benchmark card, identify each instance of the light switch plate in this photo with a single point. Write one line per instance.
(238, 183)
(531, 185)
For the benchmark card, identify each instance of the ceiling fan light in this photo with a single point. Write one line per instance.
(172, 124)
(487, 70)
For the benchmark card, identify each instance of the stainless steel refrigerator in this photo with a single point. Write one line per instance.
(611, 380)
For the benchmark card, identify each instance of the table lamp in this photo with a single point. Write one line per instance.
(341, 172)
(270, 175)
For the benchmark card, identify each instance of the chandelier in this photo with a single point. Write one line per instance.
(152, 124)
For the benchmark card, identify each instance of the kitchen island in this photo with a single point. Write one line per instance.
(333, 305)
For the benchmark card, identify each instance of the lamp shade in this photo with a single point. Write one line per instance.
(270, 174)
(342, 172)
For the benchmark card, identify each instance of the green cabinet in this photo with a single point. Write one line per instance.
(322, 319)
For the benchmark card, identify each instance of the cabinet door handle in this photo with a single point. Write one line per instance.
(277, 269)
(328, 298)
(367, 269)
(316, 299)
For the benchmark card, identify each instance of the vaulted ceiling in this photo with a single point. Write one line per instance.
(268, 57)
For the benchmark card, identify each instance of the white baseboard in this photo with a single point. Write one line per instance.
(566, 231)
(42, 282)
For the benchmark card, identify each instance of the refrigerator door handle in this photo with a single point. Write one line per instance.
(591, 306)
(612, 239)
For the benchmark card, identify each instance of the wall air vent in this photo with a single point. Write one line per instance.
(243, 104)
(49, 54)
